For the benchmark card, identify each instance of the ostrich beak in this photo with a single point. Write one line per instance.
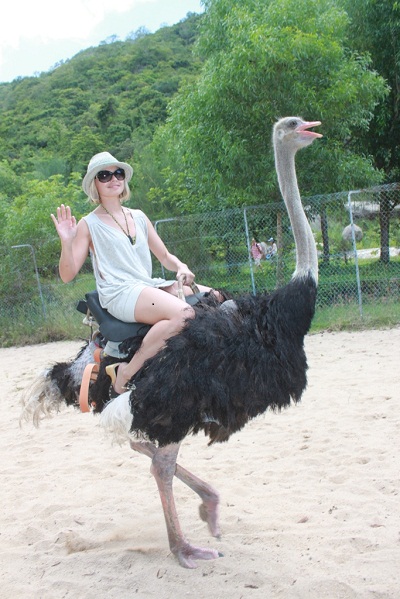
(303, 128)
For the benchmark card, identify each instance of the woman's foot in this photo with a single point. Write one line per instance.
(118, 381)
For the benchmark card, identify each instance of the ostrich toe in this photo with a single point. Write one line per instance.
(187, 554)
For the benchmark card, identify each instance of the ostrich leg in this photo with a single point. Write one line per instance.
(163, 469)
(208, 509)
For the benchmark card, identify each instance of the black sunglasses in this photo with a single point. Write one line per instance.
(106, 176)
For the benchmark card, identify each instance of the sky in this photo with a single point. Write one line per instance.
(38, 34)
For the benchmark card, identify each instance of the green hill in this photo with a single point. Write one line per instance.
(111, 97)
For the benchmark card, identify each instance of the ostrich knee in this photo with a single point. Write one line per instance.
(163, 463)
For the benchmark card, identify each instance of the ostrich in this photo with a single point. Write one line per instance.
(228, 365)
(347, 233)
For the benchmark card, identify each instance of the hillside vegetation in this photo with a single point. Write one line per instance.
(109, 97)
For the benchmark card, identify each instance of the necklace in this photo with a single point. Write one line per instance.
(120, 226)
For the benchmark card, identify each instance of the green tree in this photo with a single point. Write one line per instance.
(10, 183)
(375, 28)
(83, 145)
(27, 220)
(265, 59)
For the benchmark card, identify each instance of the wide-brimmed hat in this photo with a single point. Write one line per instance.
(97, 163)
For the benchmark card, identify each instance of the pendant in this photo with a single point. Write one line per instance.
(130, 239)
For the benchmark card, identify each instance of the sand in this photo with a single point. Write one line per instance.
(309, 497)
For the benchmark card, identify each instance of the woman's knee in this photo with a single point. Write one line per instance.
(178, 320)
(183, 314)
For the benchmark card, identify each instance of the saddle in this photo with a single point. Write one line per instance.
(110, 327)
(112, 332)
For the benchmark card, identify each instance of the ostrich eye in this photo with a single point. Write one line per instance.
(293, 123)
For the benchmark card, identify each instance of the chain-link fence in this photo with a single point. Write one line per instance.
(357, 235)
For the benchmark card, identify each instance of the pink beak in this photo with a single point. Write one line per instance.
(303, 128)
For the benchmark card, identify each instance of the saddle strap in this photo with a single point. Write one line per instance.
(89, 375)
(193, 287)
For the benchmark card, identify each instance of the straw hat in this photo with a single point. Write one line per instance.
(98, 162)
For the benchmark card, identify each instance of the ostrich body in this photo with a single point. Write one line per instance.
(225, 367)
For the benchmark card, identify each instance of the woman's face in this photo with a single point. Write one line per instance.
(112, 188)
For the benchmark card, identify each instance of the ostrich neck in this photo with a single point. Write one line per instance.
(306, 253)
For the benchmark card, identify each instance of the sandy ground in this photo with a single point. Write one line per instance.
(309, 497)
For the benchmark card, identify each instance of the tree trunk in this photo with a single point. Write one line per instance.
(280, 275)
(384, 222)
(325, 236)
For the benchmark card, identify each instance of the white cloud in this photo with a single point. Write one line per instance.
(38, 34)
(47, 20)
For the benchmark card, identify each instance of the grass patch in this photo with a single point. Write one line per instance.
(347, 317)
(23, 323)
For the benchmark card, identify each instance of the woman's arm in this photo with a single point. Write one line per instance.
(167, 259)
(75, 240)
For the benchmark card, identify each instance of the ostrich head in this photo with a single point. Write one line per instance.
(290, 134)
(294, 132)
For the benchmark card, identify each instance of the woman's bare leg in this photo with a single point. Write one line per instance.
(167, 314)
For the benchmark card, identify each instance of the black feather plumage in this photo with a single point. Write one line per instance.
(225, 368)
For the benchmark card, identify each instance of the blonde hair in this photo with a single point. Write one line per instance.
(94, 197)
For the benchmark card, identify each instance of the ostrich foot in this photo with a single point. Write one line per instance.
(208, 511)
(164, 468)
(187, 554)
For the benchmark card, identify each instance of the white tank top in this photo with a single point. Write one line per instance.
(121, 269)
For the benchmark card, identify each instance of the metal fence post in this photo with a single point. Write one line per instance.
(248, 243)
(28, 245)
(163, 220)
(353, 239)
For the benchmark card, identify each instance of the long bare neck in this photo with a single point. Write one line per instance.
(306, 252)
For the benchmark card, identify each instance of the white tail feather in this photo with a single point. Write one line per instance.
(116, 418)
(41, 400)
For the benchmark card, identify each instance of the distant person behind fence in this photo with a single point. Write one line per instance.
(256, 252)
(272, 248)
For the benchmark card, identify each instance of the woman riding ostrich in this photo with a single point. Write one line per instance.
(228, 364)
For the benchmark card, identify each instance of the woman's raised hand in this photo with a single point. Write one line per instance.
(65, 223)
